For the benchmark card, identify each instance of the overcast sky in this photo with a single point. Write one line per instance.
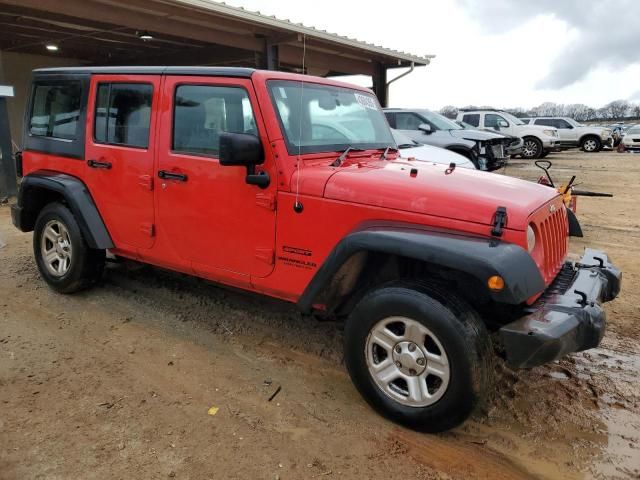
(504, 53)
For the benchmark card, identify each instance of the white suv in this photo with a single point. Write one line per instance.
(538, 140)
(573, 134)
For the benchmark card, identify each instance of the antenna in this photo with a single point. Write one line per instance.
(297, 205)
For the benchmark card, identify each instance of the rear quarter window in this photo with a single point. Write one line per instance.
(56, 114)
(56, 110)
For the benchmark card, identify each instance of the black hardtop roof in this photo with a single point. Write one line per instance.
(140, 70)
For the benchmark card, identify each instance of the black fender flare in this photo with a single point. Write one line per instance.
(77, 197)
(478, 257)
(575, 230)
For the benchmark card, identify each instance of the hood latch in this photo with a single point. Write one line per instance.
(499, 221)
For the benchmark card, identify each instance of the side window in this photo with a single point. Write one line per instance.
(408, 121)
(202, 112)
(472, 119)
(491, 120)
(560, 123)
(123, 114)
(547, 122)
(55, 111)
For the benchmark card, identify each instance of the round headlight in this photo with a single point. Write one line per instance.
(531, 239)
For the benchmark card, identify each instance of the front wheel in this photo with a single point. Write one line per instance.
(591, 144)
(418, 355)
(531, 148)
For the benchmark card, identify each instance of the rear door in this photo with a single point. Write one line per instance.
(120, 155)
(207, 212)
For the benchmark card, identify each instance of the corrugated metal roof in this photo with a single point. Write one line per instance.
(240, 13)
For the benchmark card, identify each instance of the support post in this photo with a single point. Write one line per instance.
(271, 55)
(8, 180)
(380, 86)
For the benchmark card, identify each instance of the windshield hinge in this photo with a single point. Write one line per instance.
(499, 221)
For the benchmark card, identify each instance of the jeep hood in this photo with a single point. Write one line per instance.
(463, 194)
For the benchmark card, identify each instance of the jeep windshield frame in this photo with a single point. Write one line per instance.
(320, 118)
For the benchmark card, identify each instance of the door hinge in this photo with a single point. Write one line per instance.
(266, 200)
(146, 181)
(148, 229)
(265, 255)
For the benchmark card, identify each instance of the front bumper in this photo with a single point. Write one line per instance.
(568, 317)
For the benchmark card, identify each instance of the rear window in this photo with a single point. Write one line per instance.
(547, 122)
(55, 111)
(472, 119)
(123, 114)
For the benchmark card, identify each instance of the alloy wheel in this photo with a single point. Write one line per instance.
(530, 149)
(407, 362)
(55, 248)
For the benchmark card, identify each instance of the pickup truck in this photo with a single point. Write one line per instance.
(291, 186)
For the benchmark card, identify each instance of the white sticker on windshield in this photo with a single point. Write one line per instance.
(366, 101)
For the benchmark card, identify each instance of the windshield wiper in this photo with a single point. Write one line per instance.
(338, 161)
(386, 151)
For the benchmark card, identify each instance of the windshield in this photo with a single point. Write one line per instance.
(439, 122)
(634, 130)
(512, 119)
(325, 118)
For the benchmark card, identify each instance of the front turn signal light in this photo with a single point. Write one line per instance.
(495, 283)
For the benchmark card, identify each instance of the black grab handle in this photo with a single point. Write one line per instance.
(181, 177)
(96, 164)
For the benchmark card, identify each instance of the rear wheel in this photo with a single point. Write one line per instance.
(591, 144)
(418, 355)
(531, 148)
(64, 260)
(544, 153)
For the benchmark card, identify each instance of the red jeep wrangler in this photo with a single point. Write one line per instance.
(290, 186)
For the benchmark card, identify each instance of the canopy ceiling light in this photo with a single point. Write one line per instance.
(51, 47)
(144, 35)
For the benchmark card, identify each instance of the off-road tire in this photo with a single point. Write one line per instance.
(532, 148)
(458, 328)
(86, 265)
(544, 153)
(590, 144)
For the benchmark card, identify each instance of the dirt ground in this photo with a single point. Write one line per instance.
(117, 382)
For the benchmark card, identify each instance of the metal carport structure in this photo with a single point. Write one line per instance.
(183, 32)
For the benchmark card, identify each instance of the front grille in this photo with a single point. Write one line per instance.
(553, 232)
(497, 150)
(559, 286)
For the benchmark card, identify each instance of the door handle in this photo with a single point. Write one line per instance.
(181, 177)
(96, 164)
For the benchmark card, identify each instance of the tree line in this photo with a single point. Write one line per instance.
(618, 110)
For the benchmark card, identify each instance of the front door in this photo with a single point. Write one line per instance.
(566, 132)
(120, 154)
(207, 212)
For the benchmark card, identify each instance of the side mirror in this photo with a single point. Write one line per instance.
(502, 124)
(425, 127)
(245, 150)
